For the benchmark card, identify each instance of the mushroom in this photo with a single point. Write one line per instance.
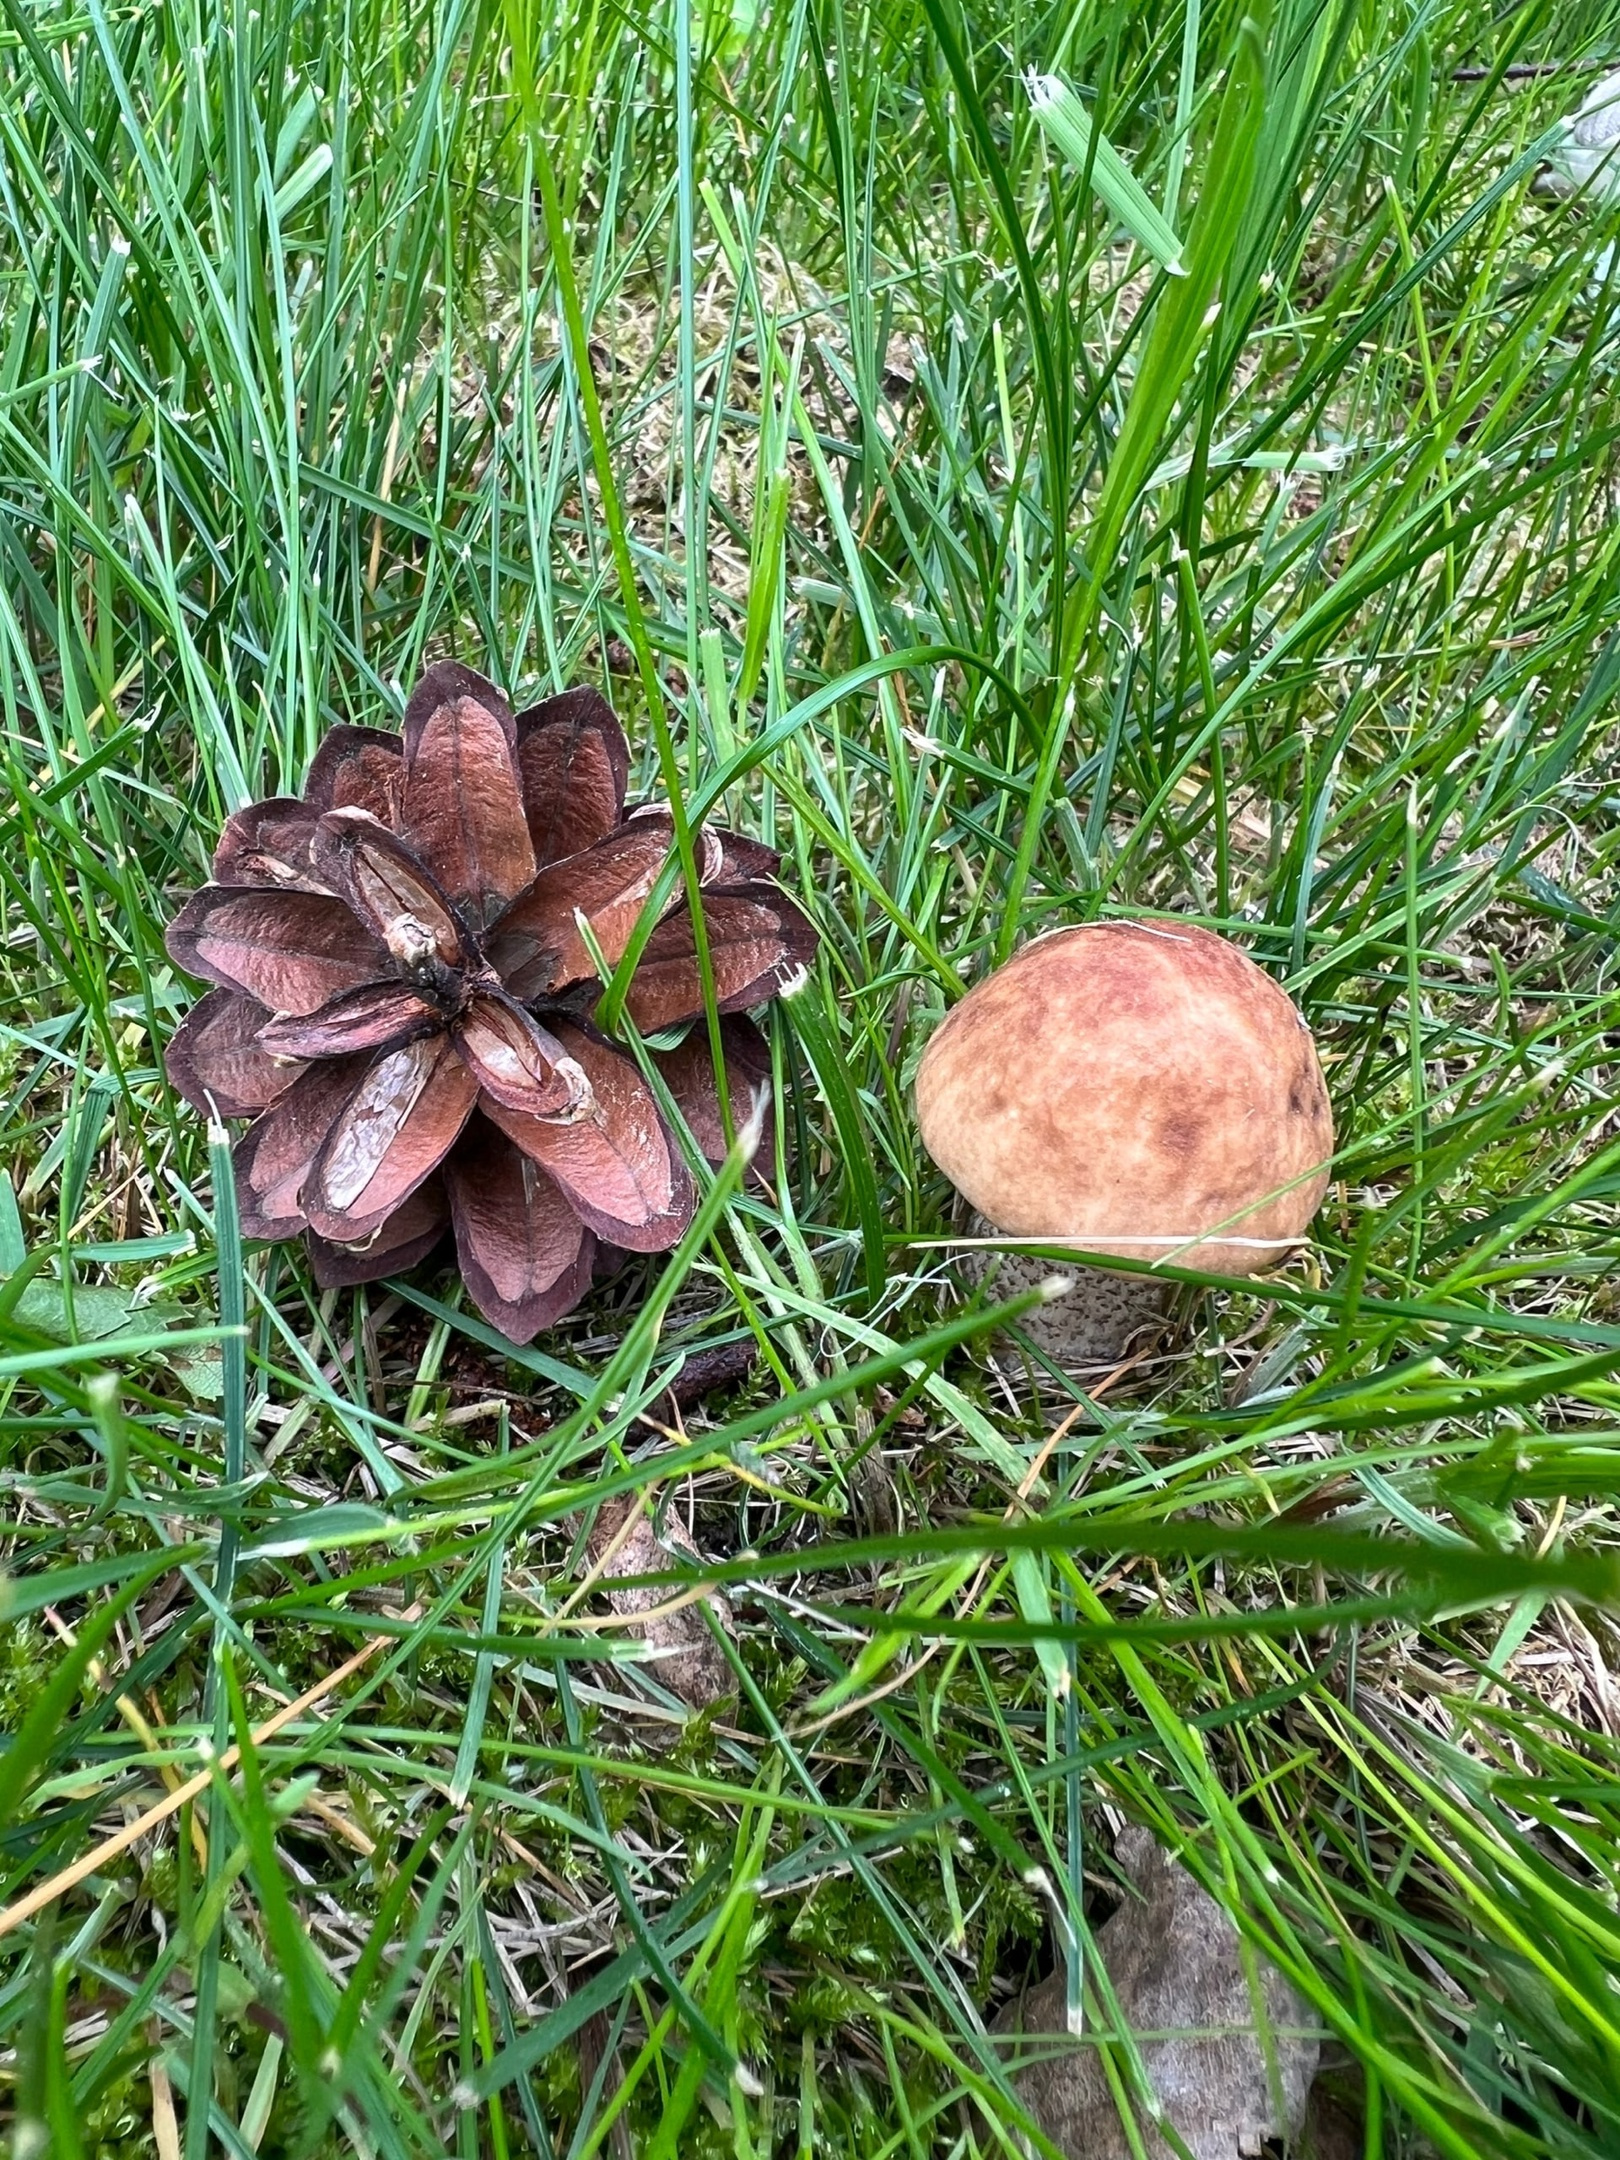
(1581, 155)
(1130, 1088)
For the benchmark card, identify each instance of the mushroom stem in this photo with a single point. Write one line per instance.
(1102, 1317)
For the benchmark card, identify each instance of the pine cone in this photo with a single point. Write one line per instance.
(405, 1002)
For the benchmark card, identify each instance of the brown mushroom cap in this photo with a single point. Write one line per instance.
(1133, 1088)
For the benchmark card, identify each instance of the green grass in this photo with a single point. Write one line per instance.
(960, 551)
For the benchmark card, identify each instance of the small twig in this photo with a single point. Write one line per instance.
(1530, 70)
(705, 1372)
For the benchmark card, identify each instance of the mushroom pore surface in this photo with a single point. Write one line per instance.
(1133, 1088)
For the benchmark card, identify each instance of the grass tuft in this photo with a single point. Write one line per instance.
(1190, 488)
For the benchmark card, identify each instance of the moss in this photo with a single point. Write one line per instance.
(27, 1656)
(1012, 1919)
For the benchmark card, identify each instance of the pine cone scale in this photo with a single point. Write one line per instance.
(397, 1126)
(378, 1016)
(575, 766)
(216, 1057)
(518, 1063)
(463, 807)
(525, 1254)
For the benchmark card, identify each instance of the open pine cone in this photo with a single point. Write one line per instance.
(405, 999)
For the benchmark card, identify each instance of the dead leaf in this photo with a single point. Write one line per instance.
(99, 1313)
(683, 1654)
(1174, 1959)
(200, 1369)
